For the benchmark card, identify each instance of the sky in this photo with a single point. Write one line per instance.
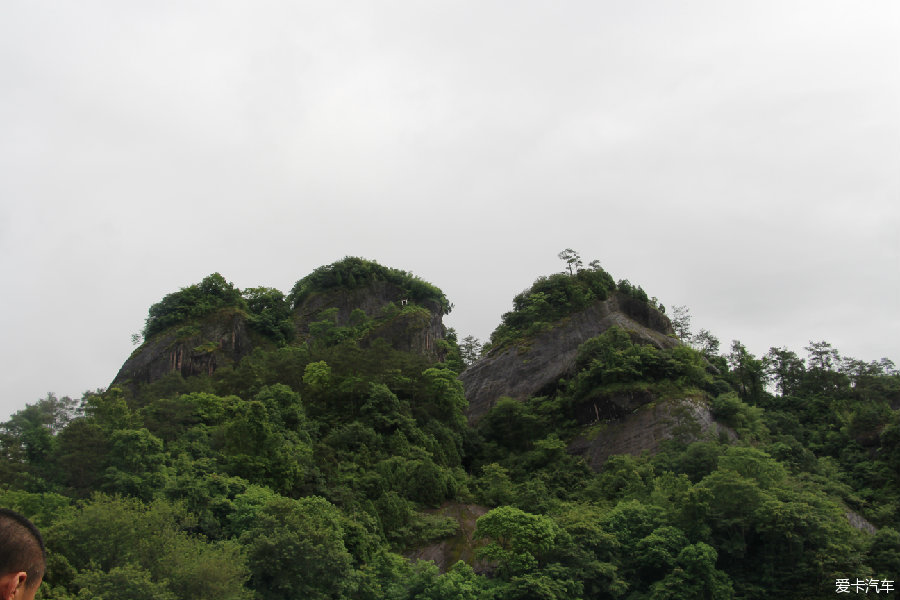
(738, 158)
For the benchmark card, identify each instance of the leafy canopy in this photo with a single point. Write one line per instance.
(192, 302)
(353, 272)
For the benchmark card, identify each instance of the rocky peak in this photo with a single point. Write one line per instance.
(195, 348)
(521, 372)
(392, 315)
(206, 326)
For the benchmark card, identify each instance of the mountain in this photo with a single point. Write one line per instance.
(521, 372)
(337, 442)
(376, 303)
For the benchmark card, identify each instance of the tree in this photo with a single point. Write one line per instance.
(518, 539)
(317, 376)
(295, 549)
(128, 582)
(822, 374)
(884, 552)
(256, 448)
(28, 435)
(192, 302)
(747, 372)
(785, 368)
(136, 464)
(494, 487)
(695, 576)
(470, 349)
(706, 343)
(572, 260)
(459, 583)
(270, 312)
(446, 396)
(822, 356)
(117, 540)
(81, 456)
(681, 322)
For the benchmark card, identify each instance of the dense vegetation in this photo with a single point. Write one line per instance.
(353, 272)
(553, 297)
(309, 469)
(192, 302)
(267, 309)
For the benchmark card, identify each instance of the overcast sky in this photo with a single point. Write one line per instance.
(739, 158)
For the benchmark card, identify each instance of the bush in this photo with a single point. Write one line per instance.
(550, 299)
(352, 272)
(192, 302)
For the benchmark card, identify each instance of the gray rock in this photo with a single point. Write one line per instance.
(645, 427)
(408, 331)
(521, 373)
(216, 340)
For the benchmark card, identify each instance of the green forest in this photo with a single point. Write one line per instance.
(320, 464)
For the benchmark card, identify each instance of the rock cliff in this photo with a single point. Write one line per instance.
(407, 326)
(199, 348)
(460, 546)
(625, 422)
(520, 373)
(647, 424)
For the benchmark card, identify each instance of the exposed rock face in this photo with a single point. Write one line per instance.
(412, 332)
(646, 425)
(406, 330)
(462, 545)
(859, 522)
(371, 299)
(621, 423)
(521, 374)
(222, 338)
(219, 339)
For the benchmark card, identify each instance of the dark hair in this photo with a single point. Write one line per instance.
(21, 547)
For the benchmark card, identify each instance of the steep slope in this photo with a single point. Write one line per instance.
(519, 372)
(613, 369)
(212, 324)
(650, 422)
(199, 348)
(378, 310)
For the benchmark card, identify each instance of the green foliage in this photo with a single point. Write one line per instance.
(352, 272)
(747, 373)
(884, 552)
(731, 411)
(295, 549)
(270, 313)
(637, 292)
(785, 369)
(109, 542)
(459, 583)
(192, 302)
(612, 358)
(128, 582)
(550, 299)
(263, 441)
(695, 576)
(301, 470)
(136, 465)
(494, 487)
(470, 349)
(518, 540)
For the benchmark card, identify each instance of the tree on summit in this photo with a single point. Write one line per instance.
(572, 259)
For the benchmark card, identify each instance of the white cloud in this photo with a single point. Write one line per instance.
(736, 157)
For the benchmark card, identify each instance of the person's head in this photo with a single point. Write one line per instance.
(22, 557)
